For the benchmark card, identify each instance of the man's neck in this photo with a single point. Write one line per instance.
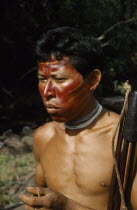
(87, 109)
(86, 120)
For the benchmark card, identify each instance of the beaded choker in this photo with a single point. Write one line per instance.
(90, 118)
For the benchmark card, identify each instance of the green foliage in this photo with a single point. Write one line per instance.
(119, 87)
(13, 170)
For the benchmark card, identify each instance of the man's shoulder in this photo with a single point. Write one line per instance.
(42, 136)
(47, 130)
(45, 134)
(110, 115)
(108, 118)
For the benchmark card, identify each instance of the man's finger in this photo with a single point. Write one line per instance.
(36, 201)
(38, 190)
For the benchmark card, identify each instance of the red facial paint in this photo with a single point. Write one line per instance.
(67, 96)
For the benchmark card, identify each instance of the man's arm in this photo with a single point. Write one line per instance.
(39, 177)
(134, 194)
(40, 180)
(45, 197)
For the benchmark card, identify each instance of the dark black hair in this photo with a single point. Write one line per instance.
(84, 51)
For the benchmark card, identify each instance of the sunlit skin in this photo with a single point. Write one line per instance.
(73, 167)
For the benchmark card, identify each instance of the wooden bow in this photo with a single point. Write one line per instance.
(125, 157)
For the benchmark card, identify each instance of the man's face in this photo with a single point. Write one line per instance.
(62, 89)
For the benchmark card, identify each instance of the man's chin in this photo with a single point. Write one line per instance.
(58, 119)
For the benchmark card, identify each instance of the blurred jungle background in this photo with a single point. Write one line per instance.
(113, 22)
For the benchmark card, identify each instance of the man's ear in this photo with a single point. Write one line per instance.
(93, 79)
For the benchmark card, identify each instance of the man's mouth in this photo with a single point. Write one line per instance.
(51, 109)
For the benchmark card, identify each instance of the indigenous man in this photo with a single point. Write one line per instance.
(73, 153)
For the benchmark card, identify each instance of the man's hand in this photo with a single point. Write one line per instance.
(41, 199)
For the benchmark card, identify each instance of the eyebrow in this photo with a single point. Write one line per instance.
(52, 73)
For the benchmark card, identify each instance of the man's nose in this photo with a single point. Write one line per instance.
(49, 89)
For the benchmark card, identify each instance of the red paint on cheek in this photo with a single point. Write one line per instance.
(70, 89)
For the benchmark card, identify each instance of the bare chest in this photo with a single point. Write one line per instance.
(75, 164)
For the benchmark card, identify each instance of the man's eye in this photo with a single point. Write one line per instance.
(60, 79)
(41, 79)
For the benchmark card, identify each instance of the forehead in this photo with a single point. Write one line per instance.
(63, 66)
(50, 66)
